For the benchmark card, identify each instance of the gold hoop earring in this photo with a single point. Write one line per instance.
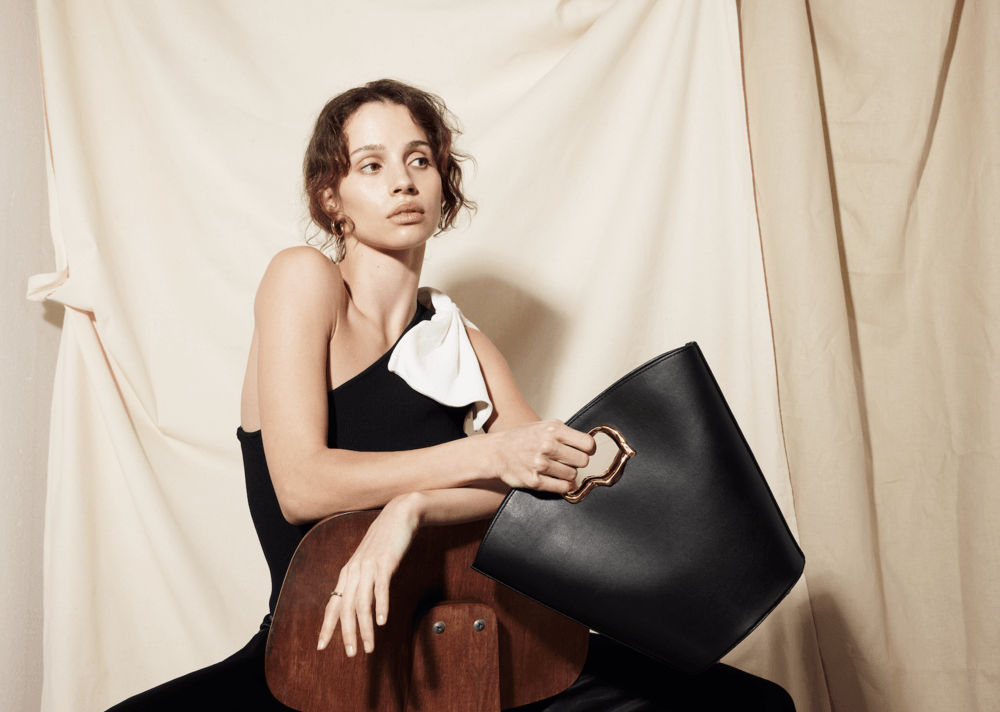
(339, 250)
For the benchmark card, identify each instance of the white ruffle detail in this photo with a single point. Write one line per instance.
(436, 358)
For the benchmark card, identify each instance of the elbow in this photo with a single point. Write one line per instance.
(295, 515)
(293, 508)
(297, 502)
(304, 499)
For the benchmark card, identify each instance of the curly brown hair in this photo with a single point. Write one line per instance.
(327, 160)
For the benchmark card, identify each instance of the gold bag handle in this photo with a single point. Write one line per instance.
(614, 471)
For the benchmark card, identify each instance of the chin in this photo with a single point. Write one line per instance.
(397, 244)
(395, 238)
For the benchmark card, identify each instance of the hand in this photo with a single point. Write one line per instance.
(542, 456)
(365, 577)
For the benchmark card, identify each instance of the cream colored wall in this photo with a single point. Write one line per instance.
(29, 336)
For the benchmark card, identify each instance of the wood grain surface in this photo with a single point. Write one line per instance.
(539, 652)
(456, 660)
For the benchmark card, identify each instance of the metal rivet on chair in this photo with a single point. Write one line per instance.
(439, 627)
(479, 625)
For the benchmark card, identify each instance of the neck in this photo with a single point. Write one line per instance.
(383, 285)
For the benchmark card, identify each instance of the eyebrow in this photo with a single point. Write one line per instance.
(380, 147)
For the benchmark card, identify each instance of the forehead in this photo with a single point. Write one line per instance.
(384, 124)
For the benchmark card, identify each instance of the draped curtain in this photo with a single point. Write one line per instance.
(828, 239)
(876, 155)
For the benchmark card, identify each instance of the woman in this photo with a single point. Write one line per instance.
(342, 429)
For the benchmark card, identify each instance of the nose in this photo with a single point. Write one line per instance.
(402, 183)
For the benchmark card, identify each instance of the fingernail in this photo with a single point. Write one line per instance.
(350, 651)
(320, 645)
(368, 646)
(381, 619)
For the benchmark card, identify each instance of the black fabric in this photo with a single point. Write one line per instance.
(278, 538)
(614, 679)
(618, 679)
(377, 412)
(236, 684)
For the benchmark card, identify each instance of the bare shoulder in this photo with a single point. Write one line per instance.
(301, 275)
(509, 406)
(489, 355)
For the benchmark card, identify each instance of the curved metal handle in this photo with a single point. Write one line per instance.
(614, 471)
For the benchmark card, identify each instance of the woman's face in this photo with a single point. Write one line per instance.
(392, 191)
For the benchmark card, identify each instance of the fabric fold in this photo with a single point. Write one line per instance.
(43, 286)
(436, 358)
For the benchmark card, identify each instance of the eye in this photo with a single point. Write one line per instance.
(370, 167)
(421, 161)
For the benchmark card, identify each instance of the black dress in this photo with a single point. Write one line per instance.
(376, 411)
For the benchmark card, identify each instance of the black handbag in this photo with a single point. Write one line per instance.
(682, 552)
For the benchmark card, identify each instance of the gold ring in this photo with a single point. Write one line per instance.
(336, 593)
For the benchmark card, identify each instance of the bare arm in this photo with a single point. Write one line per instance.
(298, 306)
(364, 581)
(480, 499)
(296, 313)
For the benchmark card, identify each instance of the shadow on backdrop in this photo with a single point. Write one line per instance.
(53, 313)
(528, 332)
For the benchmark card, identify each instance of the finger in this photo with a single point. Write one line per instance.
(348, 616)
(364, 607)
(559, 471)
(349, 630)
(382, 595)
(550, 484)
(575, 439)
(571, 456)
(331, 614)
(329, 626)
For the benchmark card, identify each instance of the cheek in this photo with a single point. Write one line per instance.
(360, 202)
(432, 199)
(434, 189)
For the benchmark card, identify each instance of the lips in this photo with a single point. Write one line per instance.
(407, 208)
(406, 213)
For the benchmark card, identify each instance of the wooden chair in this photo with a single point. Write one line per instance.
(454, 640)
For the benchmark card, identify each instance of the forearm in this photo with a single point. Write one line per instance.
(363, 583)
(458, 505)
(327, 481)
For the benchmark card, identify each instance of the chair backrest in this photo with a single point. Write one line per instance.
(540, 652)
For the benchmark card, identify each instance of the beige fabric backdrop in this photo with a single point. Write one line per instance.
(616, 221)
(876, 154)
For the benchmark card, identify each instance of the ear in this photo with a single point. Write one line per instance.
(330, 201)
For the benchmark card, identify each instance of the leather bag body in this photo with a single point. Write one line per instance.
(681, 557)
